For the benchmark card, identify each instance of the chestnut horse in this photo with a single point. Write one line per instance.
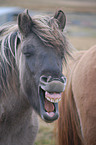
(77, 122)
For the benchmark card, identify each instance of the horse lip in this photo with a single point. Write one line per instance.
(49, 119)
(43, 113)
(53, 86)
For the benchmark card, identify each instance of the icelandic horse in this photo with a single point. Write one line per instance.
(31, 79)
(77, 122)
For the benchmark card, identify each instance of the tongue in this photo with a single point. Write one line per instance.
(49, 107)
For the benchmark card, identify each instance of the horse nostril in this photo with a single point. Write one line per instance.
(49, 79)
(63, 79)
(52, 85)
(43, 79)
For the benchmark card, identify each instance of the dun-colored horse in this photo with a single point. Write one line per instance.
(77, 122)
(31, 79)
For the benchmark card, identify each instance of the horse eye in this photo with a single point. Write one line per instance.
(28, 51)
(28, 54)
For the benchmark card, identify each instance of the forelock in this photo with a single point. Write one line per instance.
(46, 28)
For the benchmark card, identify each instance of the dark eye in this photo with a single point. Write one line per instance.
(28, 51)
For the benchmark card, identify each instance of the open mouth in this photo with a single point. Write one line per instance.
(49, 105)
(50, 94)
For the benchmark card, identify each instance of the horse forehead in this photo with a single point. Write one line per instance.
(40, 45)
(33, 40)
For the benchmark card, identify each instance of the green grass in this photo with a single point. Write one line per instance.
(46, 134)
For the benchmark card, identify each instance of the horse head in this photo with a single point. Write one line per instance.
(41, 54)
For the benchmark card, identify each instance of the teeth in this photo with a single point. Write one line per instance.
(48, 99)
(53, 100)
(60, 99)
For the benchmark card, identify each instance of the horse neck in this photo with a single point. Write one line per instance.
(12, 101)
(13, 108)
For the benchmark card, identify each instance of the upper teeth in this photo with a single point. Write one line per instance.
(53, 100)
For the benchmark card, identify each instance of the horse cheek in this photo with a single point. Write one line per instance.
(28, 84)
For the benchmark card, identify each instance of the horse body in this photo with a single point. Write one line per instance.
(78, 105)
(84, 76)
(31, 79)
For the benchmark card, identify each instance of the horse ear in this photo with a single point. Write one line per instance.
(25, 23)
(60, 16)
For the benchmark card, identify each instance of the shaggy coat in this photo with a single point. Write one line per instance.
(31, 79)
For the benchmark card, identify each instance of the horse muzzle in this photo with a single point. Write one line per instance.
(50, 90)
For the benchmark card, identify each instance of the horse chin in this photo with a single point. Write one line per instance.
(48, 115)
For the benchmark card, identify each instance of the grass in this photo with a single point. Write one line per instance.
(45, 135)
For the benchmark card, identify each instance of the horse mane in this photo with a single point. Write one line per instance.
(46, 28)
(9, 75)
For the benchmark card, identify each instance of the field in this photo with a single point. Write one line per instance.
(45, 135)
(51, 5)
